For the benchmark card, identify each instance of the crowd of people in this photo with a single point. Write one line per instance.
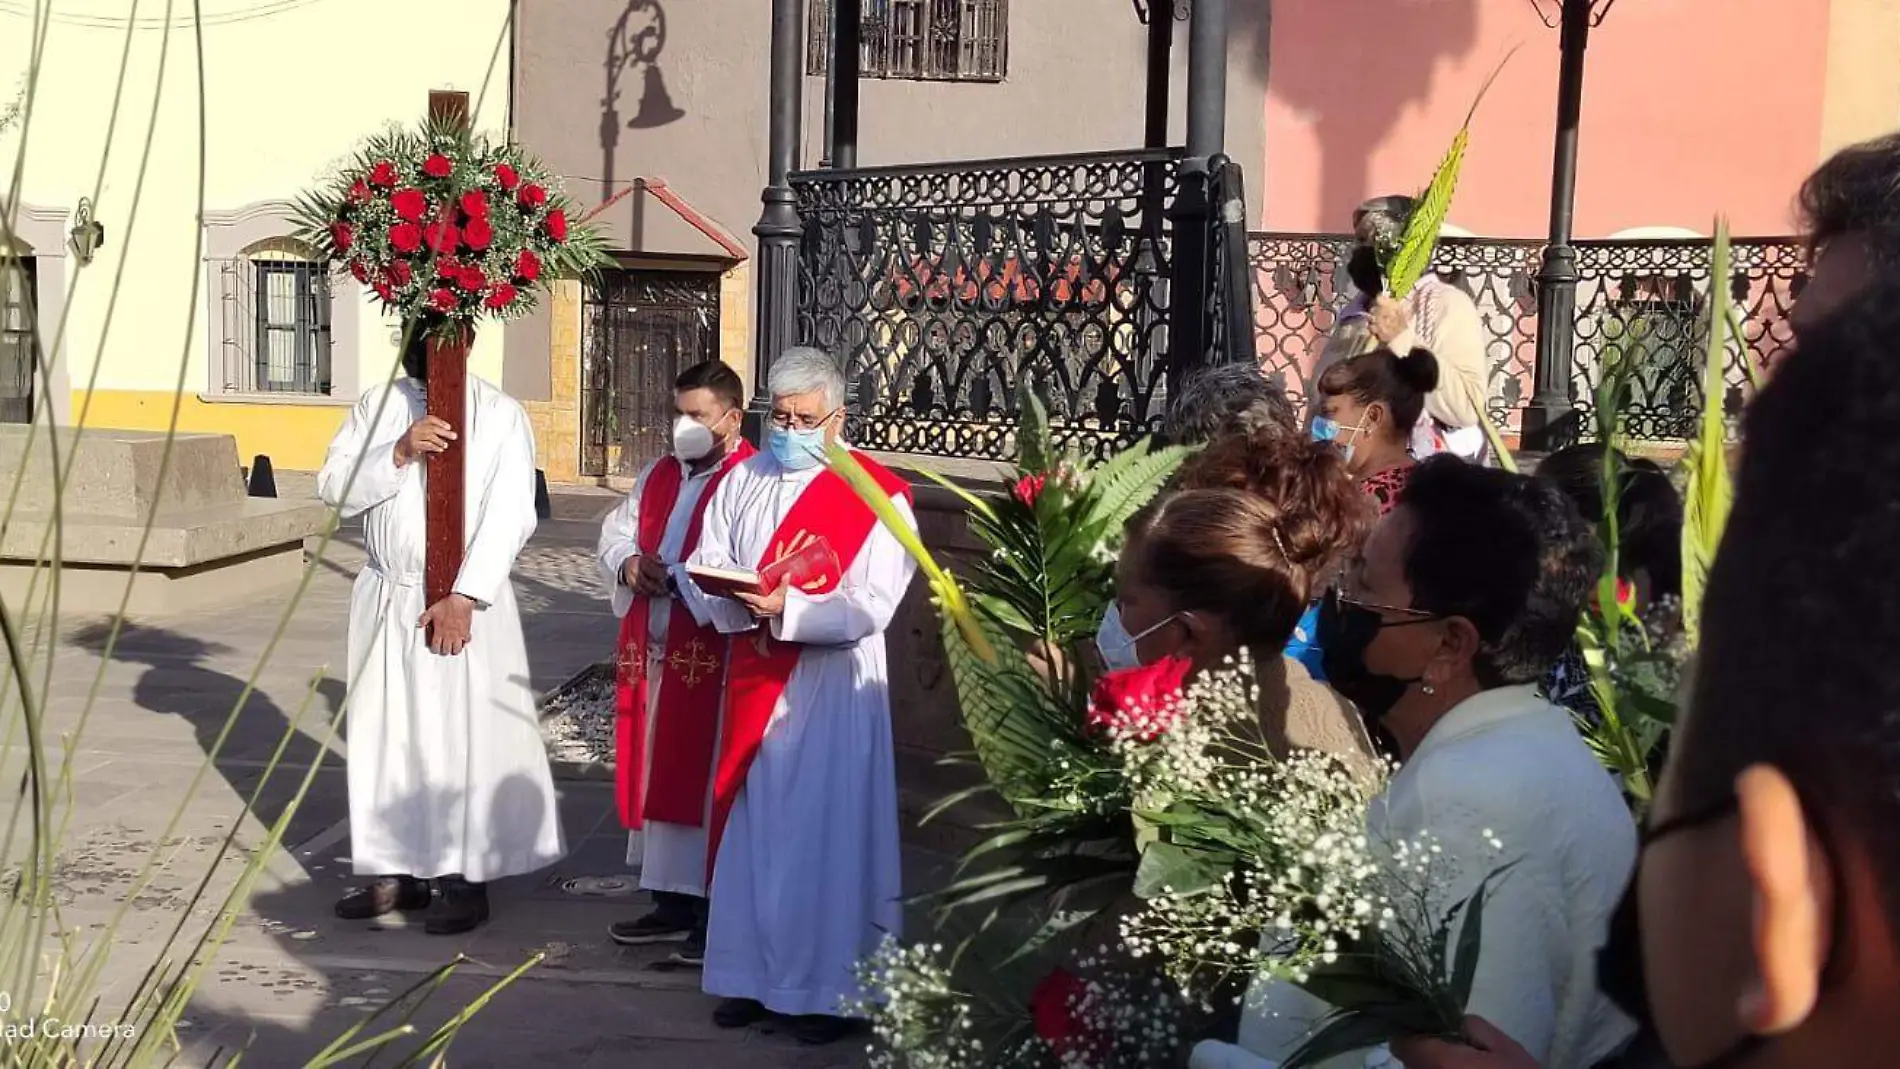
(1400, 595)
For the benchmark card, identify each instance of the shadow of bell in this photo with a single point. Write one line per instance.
(656, 105)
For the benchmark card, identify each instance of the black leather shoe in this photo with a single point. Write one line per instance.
(460, 906)
(738, 1013)
(386, 894)
(817, 1030)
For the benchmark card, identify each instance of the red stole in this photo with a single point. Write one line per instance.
(761, 665)
(688, 713)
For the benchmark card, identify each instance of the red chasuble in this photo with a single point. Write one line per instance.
(761, 665)
(688, 712)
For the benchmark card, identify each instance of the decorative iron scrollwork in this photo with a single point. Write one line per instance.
(1644, 301)
(945, 288)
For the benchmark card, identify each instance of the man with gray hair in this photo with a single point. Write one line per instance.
(805, 877)
(1227, 399)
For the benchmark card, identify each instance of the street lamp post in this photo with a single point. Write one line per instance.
(1551, 414)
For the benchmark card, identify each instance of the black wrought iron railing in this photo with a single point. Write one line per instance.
(1638, 300)
(945, 288)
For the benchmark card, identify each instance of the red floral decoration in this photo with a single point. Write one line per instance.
(1029, 488)
(444, 222)
(1053, 1004)
(1140, 703)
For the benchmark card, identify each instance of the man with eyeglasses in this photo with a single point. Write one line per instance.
(804, 819)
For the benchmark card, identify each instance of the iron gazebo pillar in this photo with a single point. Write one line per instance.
(1190, 296)
(841, 84)
(1551, 415)
(778, 228)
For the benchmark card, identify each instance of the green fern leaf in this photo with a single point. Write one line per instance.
(1117, 495)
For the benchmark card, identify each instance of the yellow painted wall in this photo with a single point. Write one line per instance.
(293, 436)
(290, 91)
(1863, 77)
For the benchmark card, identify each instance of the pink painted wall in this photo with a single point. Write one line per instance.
(1690, 107)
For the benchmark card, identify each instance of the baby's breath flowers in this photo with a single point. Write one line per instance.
(924, 1017)
(1264, 862)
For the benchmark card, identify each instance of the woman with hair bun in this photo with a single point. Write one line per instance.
(1230, 562)
(1368, 408)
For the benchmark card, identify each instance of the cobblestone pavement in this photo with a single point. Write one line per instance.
(292, 977)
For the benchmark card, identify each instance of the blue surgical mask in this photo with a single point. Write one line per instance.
(1326, 429)
(1114, 643)
(797, 450)
(1119, 648)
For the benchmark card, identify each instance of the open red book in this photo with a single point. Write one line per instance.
(813, 561)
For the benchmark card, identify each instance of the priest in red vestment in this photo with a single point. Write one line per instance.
(671, 664)
(804, 822)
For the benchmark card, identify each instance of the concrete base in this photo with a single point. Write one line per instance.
(174, 508)
(99, 589)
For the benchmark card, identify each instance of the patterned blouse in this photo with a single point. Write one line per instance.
(1386, 486)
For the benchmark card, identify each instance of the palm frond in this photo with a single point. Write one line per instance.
(1413, 257)
(1709, 494)
(1035, 452)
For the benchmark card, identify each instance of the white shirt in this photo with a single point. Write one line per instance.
(1506, 762)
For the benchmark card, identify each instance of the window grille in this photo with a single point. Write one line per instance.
(919, 40)
(19, 346)
(277, 315)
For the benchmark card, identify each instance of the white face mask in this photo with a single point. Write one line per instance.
(692, 440)
(1116, 645)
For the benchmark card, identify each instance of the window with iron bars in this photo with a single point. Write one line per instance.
(278, 338)
(19, 344)
(919, 40)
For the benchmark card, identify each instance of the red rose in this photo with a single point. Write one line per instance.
(405, 237)
(442, 300)
(382, 290)
(1055, 1007)
(1140, 703)
(533, 196)
(506, 175)
(527, 266)
(383, 174)
(342, 235)
(502, 296)
(442, 236)
(359, 271)
(478, 233)
(410, 204)
(1029, 488)
(557, 225)
(1625, 595)
(438, 166)
(359, 192)
(475, 204)
(398, 272)
(471, 279)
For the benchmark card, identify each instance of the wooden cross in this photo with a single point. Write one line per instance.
(446, 492)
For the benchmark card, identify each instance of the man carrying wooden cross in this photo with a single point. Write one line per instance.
(672, 663)
(804, 822)
(449, 779)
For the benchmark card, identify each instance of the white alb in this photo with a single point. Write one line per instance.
(448, 773)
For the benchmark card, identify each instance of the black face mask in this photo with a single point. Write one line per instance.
(1345, 631)
(1365, 271)
(1620, 973)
